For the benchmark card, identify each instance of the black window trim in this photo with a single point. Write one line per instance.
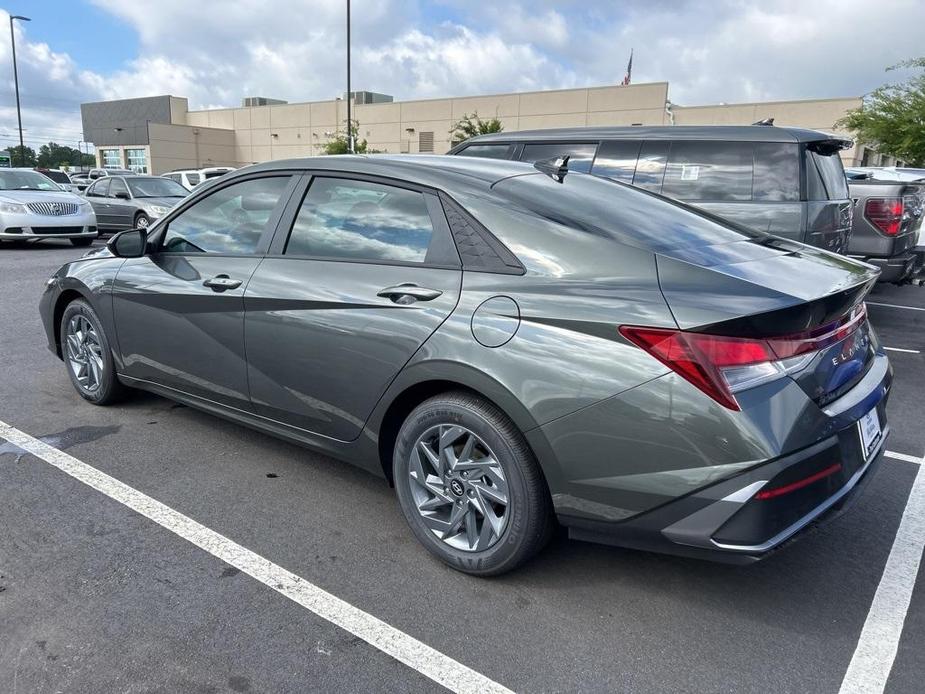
(287, 220)
(263, 244)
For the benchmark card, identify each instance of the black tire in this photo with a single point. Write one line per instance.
(81, 242)
(109, 389)
(529, 522)
(142, 221)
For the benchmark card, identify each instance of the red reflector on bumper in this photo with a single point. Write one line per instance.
(799, 484)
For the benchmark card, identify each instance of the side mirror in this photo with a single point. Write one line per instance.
(129, 244)
(122, 195)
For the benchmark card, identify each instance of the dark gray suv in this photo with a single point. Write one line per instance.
(786, 181)
(506, 345)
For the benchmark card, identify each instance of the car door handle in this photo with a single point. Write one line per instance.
(409, 293)
(220, 283)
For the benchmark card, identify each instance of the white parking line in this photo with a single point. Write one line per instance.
(415, 654)
(899, 349)
(910, 308)
(876, 650)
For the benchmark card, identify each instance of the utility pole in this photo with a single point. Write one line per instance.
(349, 95)
(22, 148)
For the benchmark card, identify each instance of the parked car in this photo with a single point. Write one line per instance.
(60, 177)
(33, 207)
(505, 345)
(190, 178)
(887, 222)
(127, 202)
(786, 181)
(94, 174)
(884, 174)
(80, 180)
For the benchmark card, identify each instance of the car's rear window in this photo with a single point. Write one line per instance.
(830, 169)
(57, 176)
(604, 207)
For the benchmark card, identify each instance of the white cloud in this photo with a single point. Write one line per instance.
(726, 50)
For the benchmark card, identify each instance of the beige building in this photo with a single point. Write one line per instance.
(159, 134)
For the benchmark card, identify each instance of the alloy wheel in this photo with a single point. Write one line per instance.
(459, 487)
(84, 353)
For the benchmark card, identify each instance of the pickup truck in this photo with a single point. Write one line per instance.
(886, 222)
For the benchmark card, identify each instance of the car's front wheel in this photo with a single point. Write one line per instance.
(87, 355)
(469, 486)
(142, 221)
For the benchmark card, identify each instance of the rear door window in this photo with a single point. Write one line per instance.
(777, 172)
(650, 168)
(361, 220)
(487, 151)
(580, 155)
(101, 189)
(617, 160)
(710, 171)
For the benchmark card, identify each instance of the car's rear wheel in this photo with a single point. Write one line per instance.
(87, 355)
(81, 242)
(142, 221)
(469, 486)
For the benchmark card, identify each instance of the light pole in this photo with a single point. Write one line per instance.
(349, 95)
(22, 148)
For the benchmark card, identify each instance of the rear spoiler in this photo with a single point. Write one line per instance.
(830, 145)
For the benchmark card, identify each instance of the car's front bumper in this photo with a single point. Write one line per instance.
(35, 226)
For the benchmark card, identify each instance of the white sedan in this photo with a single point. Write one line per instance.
(33, 207)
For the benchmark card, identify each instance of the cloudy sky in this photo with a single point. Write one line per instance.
(216, 51)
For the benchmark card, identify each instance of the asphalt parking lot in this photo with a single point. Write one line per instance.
(97, 597)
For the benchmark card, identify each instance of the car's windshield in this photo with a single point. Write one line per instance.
(26, 180)
(156, 187)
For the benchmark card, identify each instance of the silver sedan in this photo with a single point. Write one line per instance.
(130, 202)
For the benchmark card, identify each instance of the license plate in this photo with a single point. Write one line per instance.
(869, 426)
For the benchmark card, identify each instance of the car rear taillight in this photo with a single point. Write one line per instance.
(721, 366)
(885, 213)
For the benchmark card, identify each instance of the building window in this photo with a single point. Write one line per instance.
(111, 158)
(426, 141)
(137, 161)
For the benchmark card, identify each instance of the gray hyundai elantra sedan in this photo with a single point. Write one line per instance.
(510, 346)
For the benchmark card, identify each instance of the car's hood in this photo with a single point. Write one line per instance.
(26, 196)
(712, 284)
(162, 202)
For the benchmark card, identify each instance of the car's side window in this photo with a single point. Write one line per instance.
(100, 188)
(361, 220)
(711, 170)
(616, 159)
(117, 186)
(580, 155)
(487, 151)
(230, 221)
(650, 167)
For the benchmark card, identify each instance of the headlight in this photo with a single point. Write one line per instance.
(159, 210)
(12, 208)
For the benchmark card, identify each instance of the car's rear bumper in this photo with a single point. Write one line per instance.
(897, 268)
(728, 520)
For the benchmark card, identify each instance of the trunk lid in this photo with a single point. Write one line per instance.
(772, 287)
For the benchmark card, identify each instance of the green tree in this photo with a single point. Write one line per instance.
(55, 156)
(24, 156)
(892, 117)
(471, 125)
(339, 144)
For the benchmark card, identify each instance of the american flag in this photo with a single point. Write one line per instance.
(629, 70)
